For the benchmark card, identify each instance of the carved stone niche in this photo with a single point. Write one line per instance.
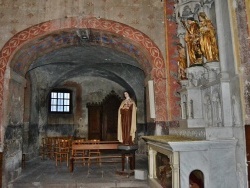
(197, 76)
(177, 157)
(191, 108)
(187, 8)
(191, 98)
(194, 104)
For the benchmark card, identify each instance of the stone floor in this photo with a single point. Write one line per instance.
(44, 174)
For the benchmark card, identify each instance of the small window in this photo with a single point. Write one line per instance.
(60, 101)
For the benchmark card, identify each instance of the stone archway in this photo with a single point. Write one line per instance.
(158, 71)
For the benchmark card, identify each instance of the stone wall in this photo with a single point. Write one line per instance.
(242, 16)
(13, 139)
(85, 90)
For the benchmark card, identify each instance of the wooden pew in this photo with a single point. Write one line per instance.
(88, 145)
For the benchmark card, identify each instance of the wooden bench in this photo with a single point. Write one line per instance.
(88, 146)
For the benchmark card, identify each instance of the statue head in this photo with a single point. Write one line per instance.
(126, 95)
(190, 20)
(202, 16)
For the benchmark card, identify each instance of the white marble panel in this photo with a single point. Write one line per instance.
(225, 175)
(190, 161)
(218, 133)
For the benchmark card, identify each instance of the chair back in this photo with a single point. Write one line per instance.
(94, 141)
(64, 145)
(79, 141)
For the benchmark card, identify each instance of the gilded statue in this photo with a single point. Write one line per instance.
(192, 39)
(182, 62)
(208, 43)
(127, 121)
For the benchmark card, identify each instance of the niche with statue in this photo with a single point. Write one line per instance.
(209, 99)
(198, 69)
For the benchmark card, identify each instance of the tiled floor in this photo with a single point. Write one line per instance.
(44, 174)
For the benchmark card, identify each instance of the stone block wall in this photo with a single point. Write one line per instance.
(13, 134)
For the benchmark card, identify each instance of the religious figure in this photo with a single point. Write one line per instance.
(236, 110)
(208, 110)
(164, 171)
(208, 42)
(192, 38)
(182, 62)
(127, 121)
(216, 104)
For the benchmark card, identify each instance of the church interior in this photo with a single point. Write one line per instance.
(65, 64)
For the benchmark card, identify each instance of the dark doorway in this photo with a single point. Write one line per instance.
(110, 106)
(94, 121)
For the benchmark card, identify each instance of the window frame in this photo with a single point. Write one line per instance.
(70, 101)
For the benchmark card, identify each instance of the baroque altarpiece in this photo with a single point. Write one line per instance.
(210, 103)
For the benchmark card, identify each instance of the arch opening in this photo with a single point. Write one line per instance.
(134, 36)
(29, 58)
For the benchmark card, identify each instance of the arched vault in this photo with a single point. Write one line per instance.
(27, 46)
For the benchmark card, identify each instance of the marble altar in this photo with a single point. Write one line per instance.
(189, 154)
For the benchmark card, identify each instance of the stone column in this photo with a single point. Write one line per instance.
(226, 54)
(175, 170)
(151, 163)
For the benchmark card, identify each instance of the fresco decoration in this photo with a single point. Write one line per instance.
(172, 58)
(155, 57)
(21, 60)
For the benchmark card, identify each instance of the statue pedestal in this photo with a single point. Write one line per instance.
(128, 159)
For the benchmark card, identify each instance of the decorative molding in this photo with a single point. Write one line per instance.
(194, 133)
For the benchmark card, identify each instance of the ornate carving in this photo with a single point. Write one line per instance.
(187, 8)
(207, 110)
(236, 110)
(184, 106)
(182, 62)
(196, 76)
(194, 133)
(213, 70)
(216, 107)
(191, 109)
